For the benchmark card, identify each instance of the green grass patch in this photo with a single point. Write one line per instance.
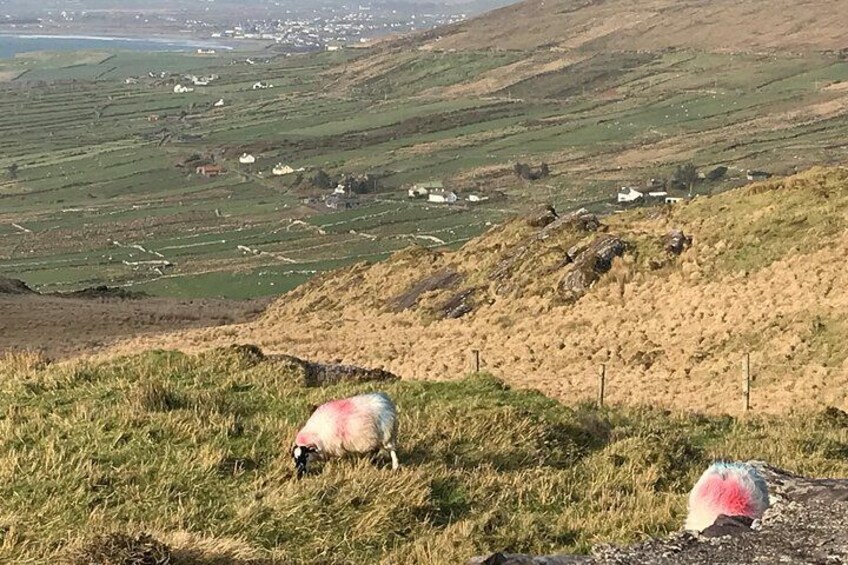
(197, 448)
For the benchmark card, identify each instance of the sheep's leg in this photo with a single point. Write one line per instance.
(395, 463)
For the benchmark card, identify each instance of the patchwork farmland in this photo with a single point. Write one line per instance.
(92, 192)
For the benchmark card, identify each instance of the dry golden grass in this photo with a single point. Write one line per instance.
(764, 276)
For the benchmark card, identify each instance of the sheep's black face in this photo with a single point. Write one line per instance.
(300, 454)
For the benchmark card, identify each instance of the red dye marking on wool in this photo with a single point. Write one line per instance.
(305, 439)
(727, 495)
(342, 411)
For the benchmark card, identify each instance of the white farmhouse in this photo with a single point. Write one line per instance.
(629, 194)
(247, 159)
(180, 89)
(281, 170)
(442, 197)
(417, 192)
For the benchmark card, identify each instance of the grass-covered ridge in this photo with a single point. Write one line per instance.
(195, 450)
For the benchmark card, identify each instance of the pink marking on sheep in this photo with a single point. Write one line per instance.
(732, 489)
(305, 439)
(726, 493)
(341, 411)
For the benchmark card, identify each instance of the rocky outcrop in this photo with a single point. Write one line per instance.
(542, 217)
(588, 264)
(458, 305)
(444, 279)
(324, 374)
(551, 225)
(14, 286)
(676, 242)
(806, 524)
(580, 220)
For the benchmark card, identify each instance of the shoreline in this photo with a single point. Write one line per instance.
(164, 40)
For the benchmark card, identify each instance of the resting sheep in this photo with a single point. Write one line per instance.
(732, 489)
(361, 424)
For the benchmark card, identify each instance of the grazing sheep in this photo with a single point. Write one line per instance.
(732, 489)
(361, 424)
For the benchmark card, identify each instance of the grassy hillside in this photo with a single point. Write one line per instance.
(651, 25)
(761, 277)
(194, 450)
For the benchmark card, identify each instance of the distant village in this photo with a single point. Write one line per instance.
(347, 192)
(684, 184)
(331, 32)
(293, 28)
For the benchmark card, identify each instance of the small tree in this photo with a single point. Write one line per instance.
(13, 171)
(717, 173)
(544, 171)
(321, 180)
(687, 176)
(522, 170)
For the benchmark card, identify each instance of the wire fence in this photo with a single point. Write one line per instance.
(478, 364)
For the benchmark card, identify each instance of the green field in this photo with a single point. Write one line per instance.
(194, 450)
(97, 178)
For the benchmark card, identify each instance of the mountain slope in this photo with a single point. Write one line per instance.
(652, 25)
(762, 276)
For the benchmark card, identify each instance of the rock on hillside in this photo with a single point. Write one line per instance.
(757, 270)
(807, 524)
(14, 286)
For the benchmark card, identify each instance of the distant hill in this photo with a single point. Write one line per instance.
(651, 25)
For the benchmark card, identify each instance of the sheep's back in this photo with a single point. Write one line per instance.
(732, 489)
(350, 425)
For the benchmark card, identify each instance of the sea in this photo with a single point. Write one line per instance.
(11, 45)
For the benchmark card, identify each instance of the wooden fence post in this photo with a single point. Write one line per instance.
(476, 360)
(746, 383)
(602, 382)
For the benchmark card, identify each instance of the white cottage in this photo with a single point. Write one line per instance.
(247, 159)
(442, 197)
(281, 170)
(629, 194)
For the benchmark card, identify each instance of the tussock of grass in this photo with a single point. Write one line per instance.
(96, 449)
(111, 549)
(156, 397)
(21, 362)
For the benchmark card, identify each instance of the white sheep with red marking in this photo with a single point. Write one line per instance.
(729, 488)
(366, 423)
